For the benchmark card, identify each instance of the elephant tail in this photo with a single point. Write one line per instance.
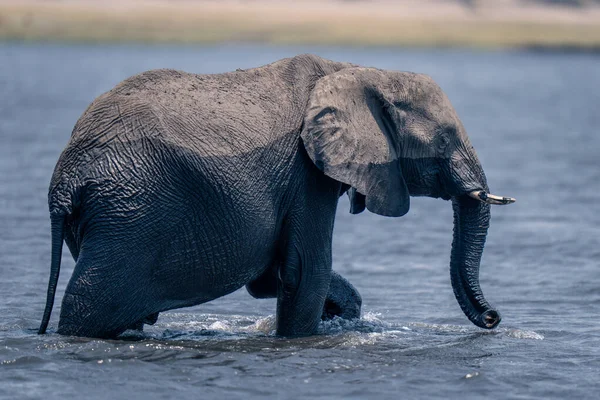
(57, 224)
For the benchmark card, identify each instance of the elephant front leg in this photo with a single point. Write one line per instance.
(343, 300)
(302, 288)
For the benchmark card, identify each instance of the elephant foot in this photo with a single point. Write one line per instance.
(148, 320)
(138, 326)
(343, 300)
(330, 310)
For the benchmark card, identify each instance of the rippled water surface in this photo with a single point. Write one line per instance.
(533, 119)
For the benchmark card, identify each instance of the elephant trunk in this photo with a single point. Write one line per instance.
(471, 221)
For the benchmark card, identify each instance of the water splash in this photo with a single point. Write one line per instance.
(519, 334)
(366, 330)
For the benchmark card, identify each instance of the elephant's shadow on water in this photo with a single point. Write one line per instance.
(207, 346)
(423, 342)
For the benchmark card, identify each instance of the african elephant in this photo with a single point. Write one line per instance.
(177, 188)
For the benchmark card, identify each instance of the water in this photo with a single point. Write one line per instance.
(533, 119)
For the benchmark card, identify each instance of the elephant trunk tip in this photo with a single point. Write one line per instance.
(490, 319)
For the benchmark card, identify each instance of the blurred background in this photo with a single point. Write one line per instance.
(473, 23)
(524, 77)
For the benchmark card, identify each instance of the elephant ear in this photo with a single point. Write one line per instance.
(350, 135)
(357, 201)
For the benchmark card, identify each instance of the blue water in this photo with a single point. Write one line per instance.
(534, 120)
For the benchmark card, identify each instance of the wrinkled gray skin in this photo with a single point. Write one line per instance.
(176, 189)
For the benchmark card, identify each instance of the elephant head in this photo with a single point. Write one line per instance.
(391, 135)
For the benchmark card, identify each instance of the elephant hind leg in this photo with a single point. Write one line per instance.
(104, 297)
(147, 320)
(92, 317)
(138, 326)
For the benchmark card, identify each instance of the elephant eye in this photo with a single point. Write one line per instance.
(450, 131)
(443, 140)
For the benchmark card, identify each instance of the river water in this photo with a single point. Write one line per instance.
(533, 118)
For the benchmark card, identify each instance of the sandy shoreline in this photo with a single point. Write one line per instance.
(501, 23)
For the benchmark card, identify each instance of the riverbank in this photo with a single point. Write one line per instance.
(360, 23)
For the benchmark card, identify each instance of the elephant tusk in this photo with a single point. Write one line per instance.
(490, 198)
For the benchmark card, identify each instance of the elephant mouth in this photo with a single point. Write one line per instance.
(442, 193)
(477, 194)
(444, 196)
